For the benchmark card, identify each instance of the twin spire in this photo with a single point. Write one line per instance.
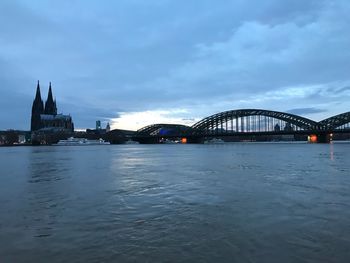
(50, 104)
(45, 118)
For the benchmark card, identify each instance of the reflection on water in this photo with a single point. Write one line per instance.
(331, 151)
(46, 195)
(153, 203)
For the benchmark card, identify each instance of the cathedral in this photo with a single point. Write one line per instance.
(46, 119)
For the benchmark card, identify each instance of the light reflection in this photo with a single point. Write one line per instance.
(331, 147)
(312, 138)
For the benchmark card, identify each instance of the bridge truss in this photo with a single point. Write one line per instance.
(252, 121)
(340, 121)
(248, 121)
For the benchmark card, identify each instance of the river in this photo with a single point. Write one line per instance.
(233, 202)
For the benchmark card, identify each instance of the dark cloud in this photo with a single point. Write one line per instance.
(87, 116)
(340, 90)
(306, 111)
(133, 55)
(18, 23)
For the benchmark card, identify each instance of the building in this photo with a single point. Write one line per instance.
(46, 119)
(10, 137)
(99, 130)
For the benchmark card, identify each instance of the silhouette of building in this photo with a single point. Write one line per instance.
(99, 130)
(288, 127)
(46, 118)
(277, 127)
(98, 125)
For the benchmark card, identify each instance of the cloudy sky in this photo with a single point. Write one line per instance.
(137, 62)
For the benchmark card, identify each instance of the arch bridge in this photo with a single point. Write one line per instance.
(248, 124)
(253, 120)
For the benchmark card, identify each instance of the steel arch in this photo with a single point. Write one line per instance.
(299, 121)
(336, 121)
(150, 129)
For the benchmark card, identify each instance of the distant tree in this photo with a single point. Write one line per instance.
(114, 137)
(11, 137)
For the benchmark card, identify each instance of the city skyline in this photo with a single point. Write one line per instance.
(133, 63)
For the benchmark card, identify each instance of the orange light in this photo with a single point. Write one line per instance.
(183, 140)
(312, 138)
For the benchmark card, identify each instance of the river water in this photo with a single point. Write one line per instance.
(239, 202)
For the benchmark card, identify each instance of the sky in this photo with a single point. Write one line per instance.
(134, 62)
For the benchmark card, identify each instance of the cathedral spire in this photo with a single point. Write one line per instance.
(49, 97)
(38, 95)
(37, 110)
(50, 107)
